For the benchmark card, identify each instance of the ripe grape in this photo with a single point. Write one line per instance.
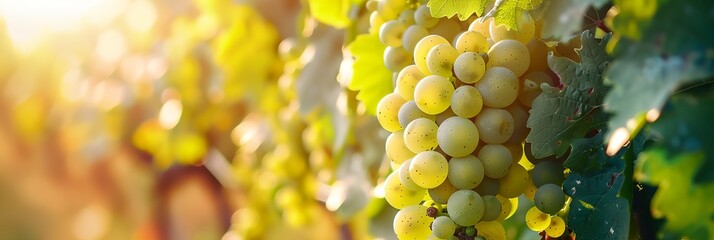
(492, 208)
(388, 112)
(407, 16)
(538, 52)
(412, 35)
(398, 195)
(469, 67)
(443, 227)
(396, 150)
(498, 87)
(466, 102)
(524, 33)
(537, 220)
(420, 135)
(465, 207)
(422, 48)
(530, 86)
(390, 33)
(508, 207)
(429, 169)
(433, 94)
(491, 230)
(441, 193)
(482, 26)
(440, 59)
(488, 186)
(406, 179)
(556, 227)
(547, 172)
(457, 136)
(496, 160)
(412, 223)
(409, 112)
(441, 117)
(396, 58)
(407, 80)
(465, 172)
(510, 54)
(423, 17)
(447, 28)
(471, 41)
(495, 126)
(520, 119)
(549, 198)
(514, 183)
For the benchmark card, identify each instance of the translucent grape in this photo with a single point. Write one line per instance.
(422, 48)
(396, 58)
(447, 28)
(407, 80)
(441, 193)
(492, 208)
(465, 207)
(375, 21)
(465, 172)
(498, 87)
(469, 67)
(556, 227)
(387, 11)
(371, 5)
(549, 198)
(537, 220)
(524, 33)
(482, 26)
(412, 223)
(457, 136)
(423, 17)
(496, 160)
(420, 135)
(471, 41)
(495, 126)
(440, 59)
(547, 172)
(443, 227)
(520, 119)
(491, 230)
(406, 179)
(409, 112)
(530, 189)
(429, 169)
(396, 149)
(398, 195)
(538, 52)
(433, 94)
(530, 86)
(514, 183)
(390, 33)
(488, 186)
(388, 112)
(444, 115)
(508, 207)
(509, 54)
(466, 102)
(412, 35)
(407, 16)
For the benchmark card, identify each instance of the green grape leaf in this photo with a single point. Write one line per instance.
(507, 12)
(462, 8)
(331, 12)
(561, 18)
(558, 116)
(371, 78)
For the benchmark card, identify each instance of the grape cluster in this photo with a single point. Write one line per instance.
(457, 119)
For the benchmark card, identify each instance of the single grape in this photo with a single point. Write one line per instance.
(371, 5)
(549, 198)
(556, 227)
(509, 54)
(443, 227)
(388, 112)
(387, 10)
(390, 33)
(492, 208)
(498, 87)
(412, 223)
(423, 17)
(441, 193)
(375, 21)
(524, 33)
(407, 80)
(537, 220)
(495, 126)
(465, 207)
(465, 172)
(409, 112)
(407, 16)
(514, 183)
(420, 135)
(496, 160)
(491, 230)
(396, 58)
(412, 35)
(433, 94)
(538, 52)
(481, 25)
(396, 150)
(466, 102)
(429, 169)
(471, 41)
(530, 86)
(447, 28)
(520, 130)
(457, 136)
(508, 207)
(440, 59)
(488, 186)
(406, 179)
(469, 67)
(530, 189)
(547, 172)
(441, 117)
(398, 195)
(422, 48)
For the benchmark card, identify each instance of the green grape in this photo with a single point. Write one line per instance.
(423, 17)
(447, 28)
(530, 189)
(371, 5)
(549, 198)
(498, 87)
(410, 111)
(491, 231)
(465, 172)
(440, 59)
(496, 160)
(387, 10)
(396, 150)
(508, 207)
(375, 21)
(390, 33)
(398, 195)
(537, 220)
(433, 94)
(509, 54)
(443, 227)
(495, 126)
(420, 135)
(556, 227)
(448, 113)
(412, 35)
(481, 25)
(407, 16)
(516, 150)
(396, 58)
(530, 86)
(399, 5)
(441, 193)
(488, 186)
(422, 48)
(539, 56)
(412, 223)
(466, 102)
(471, 41)
(465, 207)
(388, 112)
(457, 136)
(429, 169)
(524, 33)
(469, 67)
(406, 179)
(547, 172)
(407, 80)
(520, 119)
(492, 208)
(514, 183)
